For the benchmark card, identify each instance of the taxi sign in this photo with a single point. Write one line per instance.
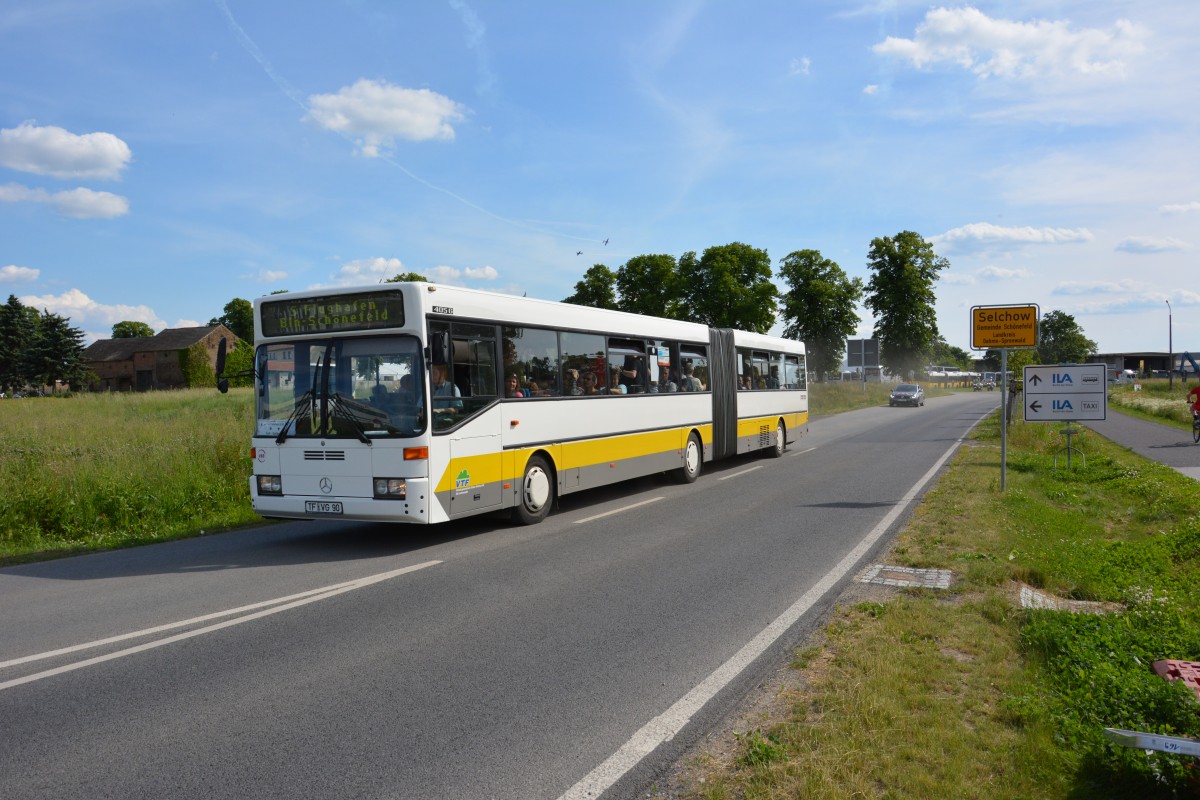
(1011, 327)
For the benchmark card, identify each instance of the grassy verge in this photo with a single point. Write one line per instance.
(834, 398)
(962, 693)
(98, 471)
(1156, 399)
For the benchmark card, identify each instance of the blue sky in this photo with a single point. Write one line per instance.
(160, 157)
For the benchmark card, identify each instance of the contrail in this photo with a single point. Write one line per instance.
(296, 97)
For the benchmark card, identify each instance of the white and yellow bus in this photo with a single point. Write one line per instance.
(418, 402)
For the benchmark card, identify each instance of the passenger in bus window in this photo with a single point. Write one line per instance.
(445, 389)
(690, 382)
(580, 383)
(630, 374)
(615, 385)
(512, 387)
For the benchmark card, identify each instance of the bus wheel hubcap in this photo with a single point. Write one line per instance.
(537, 489)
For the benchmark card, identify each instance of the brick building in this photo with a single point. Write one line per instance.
(143, 363)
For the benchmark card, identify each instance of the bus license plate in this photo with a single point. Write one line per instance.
(322, 507)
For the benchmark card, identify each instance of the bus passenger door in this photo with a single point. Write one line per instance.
(475, 462)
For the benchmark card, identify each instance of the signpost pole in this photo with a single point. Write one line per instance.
(1003, 420)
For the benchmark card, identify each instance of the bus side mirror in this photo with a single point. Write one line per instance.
(439, 344)
(222, 382)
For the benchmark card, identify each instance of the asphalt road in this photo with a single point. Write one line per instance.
(480, 660)
(1164, 443)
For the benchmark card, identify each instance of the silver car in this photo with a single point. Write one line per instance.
(907, 394)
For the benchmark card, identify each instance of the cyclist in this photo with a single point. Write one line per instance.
(1194, 398)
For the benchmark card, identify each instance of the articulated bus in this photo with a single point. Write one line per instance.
(418, 402)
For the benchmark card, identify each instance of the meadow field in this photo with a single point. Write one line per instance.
(97, 471)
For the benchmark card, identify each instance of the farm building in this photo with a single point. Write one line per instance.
(150, 362)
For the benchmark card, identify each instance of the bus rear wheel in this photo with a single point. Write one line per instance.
(536, 492)
(693, 457)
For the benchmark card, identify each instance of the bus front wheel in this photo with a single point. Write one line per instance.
(780, 441)
(536, 492)
(693, 456)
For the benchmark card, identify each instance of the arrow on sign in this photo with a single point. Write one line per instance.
(1035, 380)
(1035, 406)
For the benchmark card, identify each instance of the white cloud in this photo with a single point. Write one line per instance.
(1180, 208)
(89, 315)
(991, 47)
(80, 203)
(375, 113)
(15, 274)
(799, 67)
(457, 277)
(1122, 287)
(62, 154)
(1002, 274)
(271, 276)
(1151, 244)
(368, 270)
(482, 274)
(871, 88)
(987, 233)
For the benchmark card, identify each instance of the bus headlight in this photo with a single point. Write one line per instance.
(391, 488)
(270, 484)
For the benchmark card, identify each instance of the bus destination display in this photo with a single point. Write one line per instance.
(334, 314)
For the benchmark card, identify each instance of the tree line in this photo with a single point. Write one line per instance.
(731, 286)
(38, 349)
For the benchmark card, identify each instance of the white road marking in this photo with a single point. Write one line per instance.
(664, 727)
(280, 604)
(736, 474)
(620, 510)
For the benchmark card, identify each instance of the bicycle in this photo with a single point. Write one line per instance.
(1195, 427)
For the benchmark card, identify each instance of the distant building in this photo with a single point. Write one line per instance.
(142, 363)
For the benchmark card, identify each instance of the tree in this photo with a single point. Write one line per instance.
(596, 289)
(728, 287)
(18, 328)
(239, 364)
(900, 293)
(404, 277)
(1061, 340)
(130, 330)
(649, 285)
(818, 307)
(238, 317)
(57, 353)
(195, 366)
(945, 353)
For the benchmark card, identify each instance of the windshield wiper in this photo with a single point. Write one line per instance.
(337, 405)
(305, 402)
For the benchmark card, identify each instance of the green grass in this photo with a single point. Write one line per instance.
(834, 398)
(1157, 399)
(963, 693)
(98, 471)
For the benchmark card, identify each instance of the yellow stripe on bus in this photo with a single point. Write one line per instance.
(491, 467)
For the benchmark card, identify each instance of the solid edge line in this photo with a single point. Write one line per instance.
(620, 510)
(333, 592)
(664, 727)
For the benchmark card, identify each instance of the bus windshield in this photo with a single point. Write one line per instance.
(362, 388)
